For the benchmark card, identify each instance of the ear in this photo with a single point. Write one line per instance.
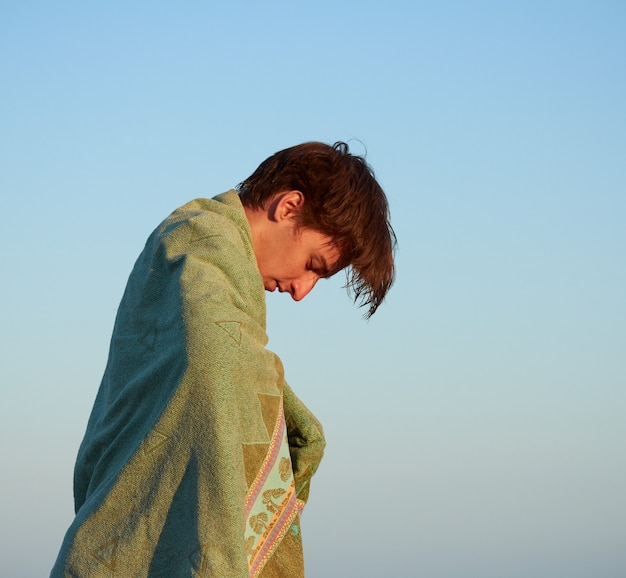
(287, 205)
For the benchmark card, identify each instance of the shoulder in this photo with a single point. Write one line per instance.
(215, 225)
(211, 240)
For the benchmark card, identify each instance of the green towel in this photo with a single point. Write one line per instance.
(197, 456)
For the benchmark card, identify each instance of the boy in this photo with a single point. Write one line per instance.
(197, 457)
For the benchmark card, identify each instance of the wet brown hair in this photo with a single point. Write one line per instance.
(344, 201)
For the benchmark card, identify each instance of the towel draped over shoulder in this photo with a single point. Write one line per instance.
(197, 456)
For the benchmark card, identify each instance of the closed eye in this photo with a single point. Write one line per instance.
(320, 269)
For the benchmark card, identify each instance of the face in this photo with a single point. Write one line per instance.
(293, 260)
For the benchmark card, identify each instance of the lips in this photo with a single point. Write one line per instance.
(285, 290)
(272, 285)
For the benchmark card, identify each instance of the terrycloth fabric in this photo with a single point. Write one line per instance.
(197, 456)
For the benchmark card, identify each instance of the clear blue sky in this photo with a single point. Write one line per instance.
(476, 424)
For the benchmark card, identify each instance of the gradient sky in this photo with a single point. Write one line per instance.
(476, 424)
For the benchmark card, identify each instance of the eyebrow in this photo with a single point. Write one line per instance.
(323, 269)
(323, 266)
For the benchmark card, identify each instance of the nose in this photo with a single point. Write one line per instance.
(302, 287)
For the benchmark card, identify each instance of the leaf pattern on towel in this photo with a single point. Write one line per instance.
(269, 496)
(258, 522)
(284, 469)
(249, 544)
